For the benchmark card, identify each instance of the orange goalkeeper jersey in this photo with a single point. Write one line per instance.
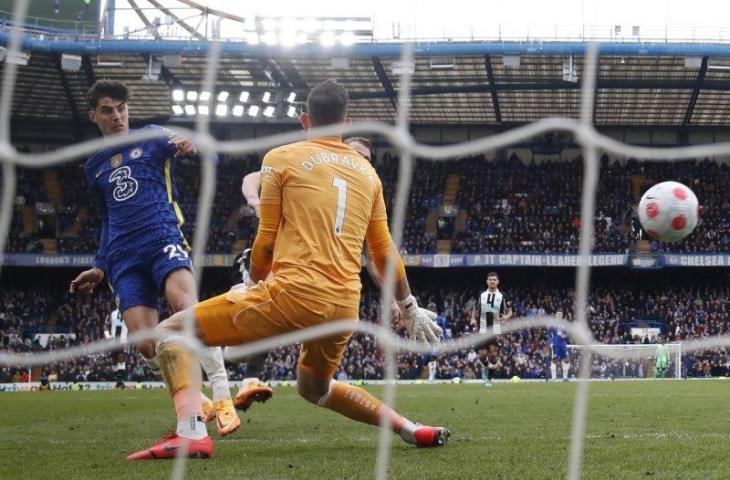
(318, 199)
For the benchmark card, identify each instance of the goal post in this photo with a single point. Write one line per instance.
(630, 361)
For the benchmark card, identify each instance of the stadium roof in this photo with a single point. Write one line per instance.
(506, 85)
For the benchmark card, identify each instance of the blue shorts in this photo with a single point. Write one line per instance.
(138, 278)
(559, 349)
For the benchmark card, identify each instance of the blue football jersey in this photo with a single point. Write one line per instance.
(136, 188)
(557, 335)
(441, 322)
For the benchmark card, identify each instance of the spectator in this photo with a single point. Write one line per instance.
(685, 311)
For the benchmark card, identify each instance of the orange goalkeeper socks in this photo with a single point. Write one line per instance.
(181, 373)
(358, 404)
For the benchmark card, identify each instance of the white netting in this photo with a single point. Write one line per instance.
(400, 137)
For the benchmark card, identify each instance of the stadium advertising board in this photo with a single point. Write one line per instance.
(426, 261)
(430, 261)
(697, 260)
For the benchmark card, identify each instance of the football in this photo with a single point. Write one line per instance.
(668, 211)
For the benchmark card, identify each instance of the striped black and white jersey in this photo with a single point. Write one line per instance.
(117, 327)
(491, 306)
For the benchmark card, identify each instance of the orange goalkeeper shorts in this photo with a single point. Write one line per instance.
(266, 310)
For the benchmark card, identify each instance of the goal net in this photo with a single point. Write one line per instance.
(630, 361)
(399, 136)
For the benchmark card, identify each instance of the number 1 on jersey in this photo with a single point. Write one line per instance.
(341, 186)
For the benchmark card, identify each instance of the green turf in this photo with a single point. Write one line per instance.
(655, 430)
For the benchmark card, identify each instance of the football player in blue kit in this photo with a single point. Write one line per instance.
(142, 252)
(559, 350)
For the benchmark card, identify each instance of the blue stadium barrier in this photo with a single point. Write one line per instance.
(93, 46)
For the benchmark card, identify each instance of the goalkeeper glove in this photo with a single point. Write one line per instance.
(420, 327)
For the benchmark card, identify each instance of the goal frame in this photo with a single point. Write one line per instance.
(623, 350)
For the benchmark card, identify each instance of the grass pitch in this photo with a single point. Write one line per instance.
(646, 430)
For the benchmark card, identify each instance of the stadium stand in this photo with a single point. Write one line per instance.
(498, 206)
(683, 311)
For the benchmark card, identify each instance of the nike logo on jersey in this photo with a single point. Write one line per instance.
(98, 173)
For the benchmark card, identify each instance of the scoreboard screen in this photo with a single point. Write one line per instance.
(62, 14)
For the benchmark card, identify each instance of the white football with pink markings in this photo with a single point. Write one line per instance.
(669, 211)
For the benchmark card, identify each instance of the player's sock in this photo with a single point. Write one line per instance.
(182, 376)
(408, 431)
(189, 424)
(554, 371)
(248, 381)
(211, 359)
(566, 368)
(357, 404)
(221, 389)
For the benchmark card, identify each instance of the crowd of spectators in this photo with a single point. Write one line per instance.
(78, 218)
(529, 207)
(683, 311)
(229, 217)
(505, 205)
(518, 207)
(29, 193)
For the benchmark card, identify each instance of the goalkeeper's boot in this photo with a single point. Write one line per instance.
(253, 392)
(208, 410)
(226, 418)
(169, 447)
(426, 437)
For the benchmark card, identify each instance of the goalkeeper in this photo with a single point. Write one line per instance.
(319, 202)
(661, 360)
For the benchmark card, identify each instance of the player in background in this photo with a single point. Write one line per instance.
(493, 311)
(252, 388)
(364, 147)
(319, 201)
(117, 329)
(558, 350)
(432, 366)
(661, 359)
(142, 252)
(440, 320)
